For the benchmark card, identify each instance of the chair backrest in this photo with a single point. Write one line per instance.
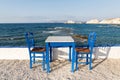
(29, 40)
(91, 40)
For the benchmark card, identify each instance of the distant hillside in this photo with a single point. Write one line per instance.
(105, 21)
(110, 21)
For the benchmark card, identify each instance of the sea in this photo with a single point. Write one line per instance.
(13, 34)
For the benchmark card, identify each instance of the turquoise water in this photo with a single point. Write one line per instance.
(12, 35)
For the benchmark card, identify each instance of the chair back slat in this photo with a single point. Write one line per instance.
(91, 40)
(30, 40)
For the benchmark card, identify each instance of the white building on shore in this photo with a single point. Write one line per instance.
(70, 22)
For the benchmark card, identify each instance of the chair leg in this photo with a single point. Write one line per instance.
(34, 58)
(90, 63)
(86, 59)
(43, 63)
(30, 63)
(76, 61)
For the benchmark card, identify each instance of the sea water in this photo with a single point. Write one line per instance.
(13, 34)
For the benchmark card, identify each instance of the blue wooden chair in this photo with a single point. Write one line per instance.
(86, 52)
(34, 52)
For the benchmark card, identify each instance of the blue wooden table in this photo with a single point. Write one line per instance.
(60, 41)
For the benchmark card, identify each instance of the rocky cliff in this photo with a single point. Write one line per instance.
(110, 21)
(105, 21)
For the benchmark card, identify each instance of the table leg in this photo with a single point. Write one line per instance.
(73, 56)
(47, 57)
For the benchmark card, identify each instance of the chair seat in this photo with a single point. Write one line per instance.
(38, 49)
(84, 50)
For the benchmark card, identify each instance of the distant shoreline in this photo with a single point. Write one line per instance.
(63, 23)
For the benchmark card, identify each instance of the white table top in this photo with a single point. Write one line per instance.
(59, 39)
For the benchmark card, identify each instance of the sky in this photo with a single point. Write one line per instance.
(15, 11)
